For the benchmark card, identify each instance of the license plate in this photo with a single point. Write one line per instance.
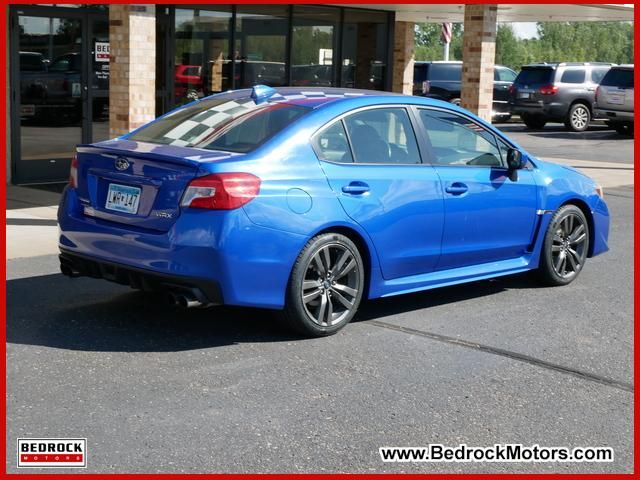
(123, 198)
(524, 95)
(616, 99)
(27, 110)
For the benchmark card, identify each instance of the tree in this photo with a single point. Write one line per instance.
(429, 45)
(510, 51)
(557, 42)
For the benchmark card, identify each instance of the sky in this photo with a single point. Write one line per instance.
(525, 29)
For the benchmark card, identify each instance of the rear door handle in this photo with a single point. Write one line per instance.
(456, 188)
(356, 188)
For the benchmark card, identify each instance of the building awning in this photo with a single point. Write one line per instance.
(511, 12)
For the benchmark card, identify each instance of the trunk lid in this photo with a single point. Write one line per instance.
(138, 184)
(616, 89)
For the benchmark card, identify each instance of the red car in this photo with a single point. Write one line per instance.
(188, 81)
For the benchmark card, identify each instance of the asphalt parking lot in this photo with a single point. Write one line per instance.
(228, 390)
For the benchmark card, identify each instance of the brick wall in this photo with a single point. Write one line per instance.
(403, 57)
(478, 54)
(132, 66)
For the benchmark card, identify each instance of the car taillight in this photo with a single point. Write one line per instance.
(512, 89)
(597, 92)
(548, 90)
(426, 86)
(73, 172)
(221, 191)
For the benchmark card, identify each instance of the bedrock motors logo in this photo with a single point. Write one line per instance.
(52, 452)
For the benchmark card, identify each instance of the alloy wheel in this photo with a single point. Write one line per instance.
(568, 249)
(580, 118)
(331, 285)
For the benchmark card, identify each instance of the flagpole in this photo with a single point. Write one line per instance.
(445, 36)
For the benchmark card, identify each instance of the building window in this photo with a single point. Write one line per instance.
(275, 45)
(314, 46)
(364, 49)
(202, 63)
(261, 45)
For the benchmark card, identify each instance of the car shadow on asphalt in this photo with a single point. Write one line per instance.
(92, 315)
(389, 306)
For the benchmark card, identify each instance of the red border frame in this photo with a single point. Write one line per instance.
(4, 7)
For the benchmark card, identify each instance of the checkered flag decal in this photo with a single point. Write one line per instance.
(202, 125)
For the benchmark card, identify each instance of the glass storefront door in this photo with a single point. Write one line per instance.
(60, 89)
(202, 57)
(314, 44)
(364, 49)
(261, 45)
(99, 78)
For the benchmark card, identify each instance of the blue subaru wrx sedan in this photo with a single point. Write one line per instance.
(308, 201)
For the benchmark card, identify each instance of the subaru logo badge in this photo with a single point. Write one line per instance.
(122, 164)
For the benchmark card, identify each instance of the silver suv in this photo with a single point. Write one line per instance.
(614, 99)
(557, 92)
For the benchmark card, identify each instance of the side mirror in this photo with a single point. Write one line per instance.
(515, 162)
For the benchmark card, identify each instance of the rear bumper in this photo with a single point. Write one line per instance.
(223, 253)
(550, 110)
(613, 115)
(205, 291)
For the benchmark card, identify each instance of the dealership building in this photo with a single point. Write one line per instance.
(85, 73)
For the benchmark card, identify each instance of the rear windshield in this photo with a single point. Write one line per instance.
(445, 72)
(617, 77)
(228, 124)
(533, 76)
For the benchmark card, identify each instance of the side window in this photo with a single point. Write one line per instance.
(504, 75)
(382, 135)
(457, 141)
(573, 75)
(504, 149)
(597, 73)
(331, 144)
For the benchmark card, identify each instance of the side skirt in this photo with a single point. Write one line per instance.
(427, 281)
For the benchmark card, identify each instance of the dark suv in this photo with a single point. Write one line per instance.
(557, 92)
(442, 80)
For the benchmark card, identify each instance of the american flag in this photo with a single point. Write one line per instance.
(447, 29)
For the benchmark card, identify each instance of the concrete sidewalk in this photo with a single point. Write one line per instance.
(31, 222)
(31, 213)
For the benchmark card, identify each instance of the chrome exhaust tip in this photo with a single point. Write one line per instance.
(187, 301)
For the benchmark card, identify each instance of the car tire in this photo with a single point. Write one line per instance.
(455, 101)
(326, 286)
(534, 121)
(578, 118)
(624, 128)
(565, 247)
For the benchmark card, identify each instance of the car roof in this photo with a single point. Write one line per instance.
(439, 62)
(448, 62)
(314, 97)
(626, 66)
(567, 64)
